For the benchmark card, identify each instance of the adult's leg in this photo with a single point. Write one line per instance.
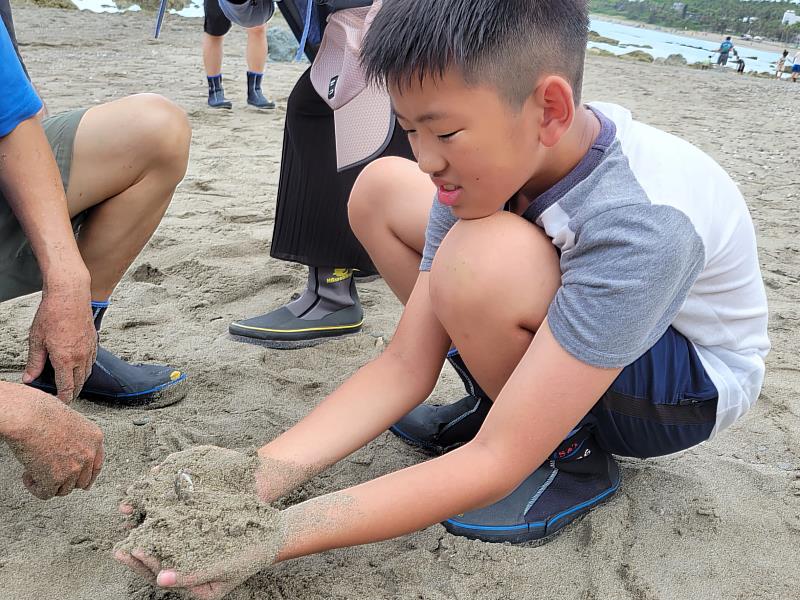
(311, 228)
(256, 58)
(212, 53)
(215, 26)
(142, 143)
(256, 48)
(143, 162)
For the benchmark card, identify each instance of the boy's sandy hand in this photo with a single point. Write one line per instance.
(213, 583)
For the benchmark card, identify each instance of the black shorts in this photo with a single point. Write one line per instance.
(216, 23)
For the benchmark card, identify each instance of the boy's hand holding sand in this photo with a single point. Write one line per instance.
(581, 262)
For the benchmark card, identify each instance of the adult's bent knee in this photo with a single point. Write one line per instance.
(374, 187)
(165, 128)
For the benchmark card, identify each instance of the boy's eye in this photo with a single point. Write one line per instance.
(447, 136)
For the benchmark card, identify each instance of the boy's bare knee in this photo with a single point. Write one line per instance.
(373, 190)
(483, 261)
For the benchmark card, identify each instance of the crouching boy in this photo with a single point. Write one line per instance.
(598, 277)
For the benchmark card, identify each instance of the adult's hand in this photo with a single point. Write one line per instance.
(63, 330)
(60, 449)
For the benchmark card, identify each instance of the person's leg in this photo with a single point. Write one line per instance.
(142, 143)
(311, 228)
(661, 404)
(256, 59)
(256, 48)
(212, 53)
(142, 163)
(215, 26)
(389, 209)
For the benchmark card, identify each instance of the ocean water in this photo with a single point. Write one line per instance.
(630, 38)
(662, 44)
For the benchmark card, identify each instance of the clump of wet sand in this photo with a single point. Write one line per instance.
(200, 505)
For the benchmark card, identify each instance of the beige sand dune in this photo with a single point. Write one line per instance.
(720, 522)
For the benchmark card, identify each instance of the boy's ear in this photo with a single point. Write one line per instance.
(556, 102)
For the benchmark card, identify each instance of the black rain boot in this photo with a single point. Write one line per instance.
(329, 307)
(255, 96)
(216, 93)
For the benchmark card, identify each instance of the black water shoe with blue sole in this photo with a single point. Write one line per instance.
(114, 381)
(440, 428)
(548, 500)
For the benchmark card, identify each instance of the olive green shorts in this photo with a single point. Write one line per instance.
(19, 272)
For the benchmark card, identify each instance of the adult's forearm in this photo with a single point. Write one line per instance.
(11, 418)
(31, 183)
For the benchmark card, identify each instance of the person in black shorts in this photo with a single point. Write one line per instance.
(217, 24)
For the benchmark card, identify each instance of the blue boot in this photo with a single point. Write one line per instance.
(216, 93)
(255, 97)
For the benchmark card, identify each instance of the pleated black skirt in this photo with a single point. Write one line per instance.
(311, 225)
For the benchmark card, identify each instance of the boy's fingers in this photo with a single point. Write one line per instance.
(148, 561)
(133, 564)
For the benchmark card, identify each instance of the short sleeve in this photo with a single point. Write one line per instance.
(440, 221)
(19, 101)
(624, 282)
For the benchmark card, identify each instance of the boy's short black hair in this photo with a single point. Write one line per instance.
(506, 43)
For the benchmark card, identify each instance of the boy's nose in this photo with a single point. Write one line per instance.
(430, 162)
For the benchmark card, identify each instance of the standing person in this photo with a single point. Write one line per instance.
(724, 51)
(796, 66)
(52, 192)
(781, 65)
(335, 125)
(253, 16)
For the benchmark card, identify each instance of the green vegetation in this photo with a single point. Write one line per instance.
(721, 16)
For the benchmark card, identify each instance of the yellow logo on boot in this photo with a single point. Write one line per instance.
(339, 275)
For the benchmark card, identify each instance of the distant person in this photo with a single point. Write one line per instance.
(724, 51)
(740, 60)
(795, 67)
(781, 65)
(253, 16)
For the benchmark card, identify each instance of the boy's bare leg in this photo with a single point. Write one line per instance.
(142, 143)
(492, 282)
(388, 209)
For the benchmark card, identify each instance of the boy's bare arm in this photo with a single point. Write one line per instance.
(373, 399)
(546, 396)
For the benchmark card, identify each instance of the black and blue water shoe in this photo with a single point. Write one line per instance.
(115, 381)
(554, 495)
(441, 428)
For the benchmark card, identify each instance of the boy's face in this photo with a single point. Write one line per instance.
(477, 148)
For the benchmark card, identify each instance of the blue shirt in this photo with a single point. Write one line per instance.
(19, 102)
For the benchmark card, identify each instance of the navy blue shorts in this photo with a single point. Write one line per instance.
(662, 403)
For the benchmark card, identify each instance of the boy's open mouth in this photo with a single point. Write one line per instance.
(448, 194)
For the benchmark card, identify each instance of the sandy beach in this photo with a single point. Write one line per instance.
(719, 522)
